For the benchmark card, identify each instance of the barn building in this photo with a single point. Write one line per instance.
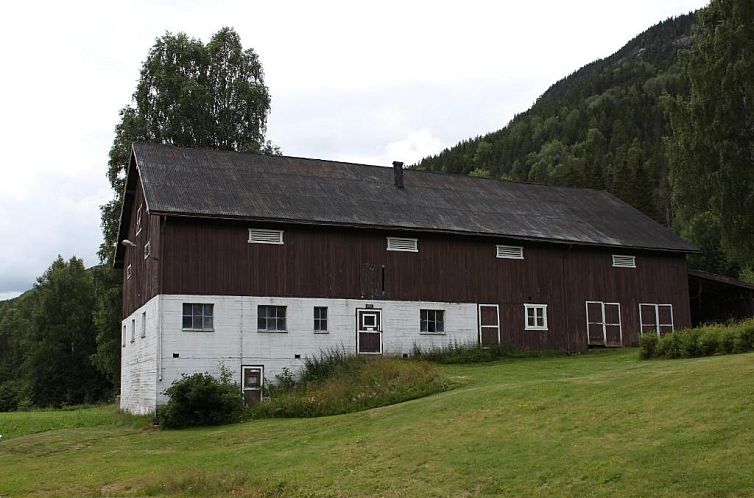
(256, 262)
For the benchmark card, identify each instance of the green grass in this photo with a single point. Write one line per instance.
(599, 424)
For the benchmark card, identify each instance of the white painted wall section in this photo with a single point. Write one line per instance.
(138, 373)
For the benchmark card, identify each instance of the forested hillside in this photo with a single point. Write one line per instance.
(600, 127)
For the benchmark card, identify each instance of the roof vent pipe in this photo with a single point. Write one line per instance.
(398, 173)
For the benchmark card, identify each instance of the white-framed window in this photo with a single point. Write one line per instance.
(603, 323)
(138, 219)
(402, 244)
(624, 261)
(536, 316)
(320, 319)
(265, 236)
(198, 317)
(432, 321)
(133, 330)
(123, 339)
(271, 318)
(656, 318)
(129, 272)
(147, 250)
(510, 252)
(143, 324)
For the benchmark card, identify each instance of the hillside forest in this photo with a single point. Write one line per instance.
(665, 124)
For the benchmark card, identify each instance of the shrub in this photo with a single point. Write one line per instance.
(647, 346)
(201, 399)
(669, 346)
(455, 353)
(325, 364)
(708, 341)
(10, 395)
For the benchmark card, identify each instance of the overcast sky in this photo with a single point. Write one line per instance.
(349, 81)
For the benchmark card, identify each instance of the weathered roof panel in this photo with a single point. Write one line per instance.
(221, 184)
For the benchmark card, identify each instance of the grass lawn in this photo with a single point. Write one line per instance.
(598, 424)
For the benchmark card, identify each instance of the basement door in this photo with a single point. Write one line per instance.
(252, 381)
(369, 331)
(489, 325)
(603, 324)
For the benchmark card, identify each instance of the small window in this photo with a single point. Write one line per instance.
(133, 330)
(260, 236)
(536, 316)
(271, 318)
(144, 324)
(147, 250)
(320, 319)
(129, 272)
(510, 252)
(623, 261)
(402, 244)
(138, 219)
(432, 321)
(123, 339)
(198, 316)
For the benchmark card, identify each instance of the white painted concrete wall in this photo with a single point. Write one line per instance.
(138, 371)
(235, 340)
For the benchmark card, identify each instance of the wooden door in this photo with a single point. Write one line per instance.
(369, 331)
(603, 324)
(372, 281)
(252, 380)
(489, 325)
(613, 332)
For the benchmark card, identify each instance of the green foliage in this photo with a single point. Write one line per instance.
(457, 353)
(200, 400)
(702, 341)
(335, 383)
(10, 395)
(712, 165)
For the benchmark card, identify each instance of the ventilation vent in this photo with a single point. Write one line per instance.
(620, 261)
(402, 244)
(259, 236)
(510, 252)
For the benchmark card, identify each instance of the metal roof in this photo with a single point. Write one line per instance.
(232, 185)
(721, 279)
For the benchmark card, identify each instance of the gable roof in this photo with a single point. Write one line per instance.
(231, 185)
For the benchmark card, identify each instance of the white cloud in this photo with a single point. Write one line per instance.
(417, 145)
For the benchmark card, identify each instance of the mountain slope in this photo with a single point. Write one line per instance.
(600, 127)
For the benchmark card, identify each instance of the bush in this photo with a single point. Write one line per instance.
(335, 383)
(456, 353)
(10, 395)
(647, 346)
(669, 346)
(201, 399)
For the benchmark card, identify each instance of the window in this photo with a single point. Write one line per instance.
(138, 219)
(144, 324)
(510, 252)
(129, 272)
(656, 318)
(133, 330)
(536, 316)
(123, 339)
(261, 236)
(198, 316)
(147, 250)
(320, 319)
(623, 261)
(432, 321)
(271, 318)
(402, 244)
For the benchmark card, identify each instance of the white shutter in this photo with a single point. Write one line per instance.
(261, 236)
(402, 244)
(623, 261)
(510, 252)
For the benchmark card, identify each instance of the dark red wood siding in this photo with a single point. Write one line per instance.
(203, 257)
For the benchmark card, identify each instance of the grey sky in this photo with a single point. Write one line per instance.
(367, 82)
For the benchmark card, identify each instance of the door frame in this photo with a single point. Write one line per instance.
(260, 368)
(479, 322)
(604, 322)
(658, 325)
(378, 311)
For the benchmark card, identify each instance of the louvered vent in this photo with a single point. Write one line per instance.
(510, 252)
(402, 244)
(260, 236)
(621, 261)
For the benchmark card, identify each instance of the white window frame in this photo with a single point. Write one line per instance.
(479, 321)
(656, 309)
(604, 320)
(624, 261)
(509, 252)
(535, 307)
(265, 236)
(139, 220)
(147, 250)
(143, 324)
(203, 329)
(402, 244)
(436, 332)
(129, 272)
